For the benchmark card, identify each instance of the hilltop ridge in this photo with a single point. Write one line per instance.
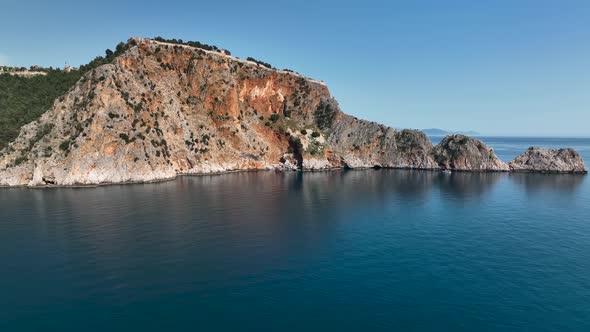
(225, 53)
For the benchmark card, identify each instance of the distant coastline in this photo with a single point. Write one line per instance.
(442, 132)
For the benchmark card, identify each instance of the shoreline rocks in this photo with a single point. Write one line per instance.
(464, 153)
(542, 160)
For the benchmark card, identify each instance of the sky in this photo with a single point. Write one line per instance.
(514, 67)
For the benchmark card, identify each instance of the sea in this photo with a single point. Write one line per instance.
(346, 250)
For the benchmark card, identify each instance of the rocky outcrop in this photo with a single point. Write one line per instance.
(463, 153)
(542, 160)
(159, 110)
(361, 143)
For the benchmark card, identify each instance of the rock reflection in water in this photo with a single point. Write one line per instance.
(539, 183)
(468, 185)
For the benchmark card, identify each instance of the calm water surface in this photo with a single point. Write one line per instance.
(343, 250)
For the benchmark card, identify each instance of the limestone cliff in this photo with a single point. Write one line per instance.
(161, 109)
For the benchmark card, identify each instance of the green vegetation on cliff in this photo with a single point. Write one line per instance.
(190, 43)
(262, 63)
(25, 99)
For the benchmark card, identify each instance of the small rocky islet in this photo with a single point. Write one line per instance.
(162, 109)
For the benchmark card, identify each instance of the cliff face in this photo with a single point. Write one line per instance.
(160, 110)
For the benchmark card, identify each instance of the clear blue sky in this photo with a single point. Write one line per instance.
(510, 67)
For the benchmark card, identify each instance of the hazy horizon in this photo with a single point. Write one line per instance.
(501, 68)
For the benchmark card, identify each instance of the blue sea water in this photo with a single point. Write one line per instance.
(388, 250)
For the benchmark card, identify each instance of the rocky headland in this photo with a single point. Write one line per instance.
(159, 110)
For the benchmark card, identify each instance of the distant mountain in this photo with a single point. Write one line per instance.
(441, 132)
